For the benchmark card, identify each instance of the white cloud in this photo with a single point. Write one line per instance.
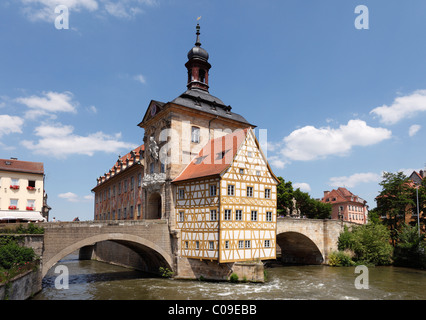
(140, 78)
(303, 186)
(354, 180)
(277, 162)
(402, 108)
(48, 104)
(414, 129)
(10, 124)
(60, 141)
(72, 197)
(44, 10)
(69, 196)
(310, 143)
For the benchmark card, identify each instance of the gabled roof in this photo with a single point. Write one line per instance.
(21, 166)
(215, 157)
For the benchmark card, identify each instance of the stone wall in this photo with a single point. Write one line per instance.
(212, 270)
(22, 286)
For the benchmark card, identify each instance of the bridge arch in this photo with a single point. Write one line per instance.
(155, 253)
(297, 248)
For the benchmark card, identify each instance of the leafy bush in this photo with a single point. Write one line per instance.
(12, 254)
(233, 277)
(340, 259)
(369, 242)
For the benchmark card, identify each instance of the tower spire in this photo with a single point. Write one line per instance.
(197, 42)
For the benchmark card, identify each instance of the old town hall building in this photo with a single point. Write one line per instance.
(203, 171)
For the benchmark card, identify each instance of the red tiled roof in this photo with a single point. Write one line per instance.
(21, 166)
(128, 155)
(215, 157)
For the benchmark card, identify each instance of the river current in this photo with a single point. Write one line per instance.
(92, 280)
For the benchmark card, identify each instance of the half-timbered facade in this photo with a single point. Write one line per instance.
(226, 202)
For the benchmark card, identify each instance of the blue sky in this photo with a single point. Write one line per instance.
(340, 104)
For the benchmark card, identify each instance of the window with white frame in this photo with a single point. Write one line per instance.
(268, 216)
(253, 215)
(238, 215)
(231, 189)
(267, 243)
(240, 244)
(213, 215)
(30, 204)
(227, 214)
(211, 245)
(181, 194)
(213, 190)
(197, 245)
(247, 244)
(181, 216)
(267, 193)
(227, 244)
(249, 191)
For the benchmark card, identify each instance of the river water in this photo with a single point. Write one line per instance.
(92, 280)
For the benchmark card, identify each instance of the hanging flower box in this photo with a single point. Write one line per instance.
(30, 188)
(12, 207)
(14, 186)
(30, 208)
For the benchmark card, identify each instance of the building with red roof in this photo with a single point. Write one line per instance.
(346, 206)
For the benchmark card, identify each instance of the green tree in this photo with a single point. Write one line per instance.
(410, 250)
(284, 196)
(309, 207)
(369, 242)
(396, 196)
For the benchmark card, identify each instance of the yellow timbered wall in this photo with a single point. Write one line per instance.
(199, 227)
(251, 234)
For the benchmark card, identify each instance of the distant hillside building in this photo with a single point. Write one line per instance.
(346, 206)
(22, 196)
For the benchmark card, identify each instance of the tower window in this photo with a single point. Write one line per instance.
(202, 75)
(195, 134)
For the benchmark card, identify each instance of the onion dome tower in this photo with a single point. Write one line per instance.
(198, 66)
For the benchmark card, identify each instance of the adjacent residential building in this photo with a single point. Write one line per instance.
(22, 196)
(118, 193)
(346, 206)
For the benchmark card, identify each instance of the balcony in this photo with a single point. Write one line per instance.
(31, 188)
(14, 187)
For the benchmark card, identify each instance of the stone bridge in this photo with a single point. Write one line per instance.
(300, 241)
(308, 241)
(150, 239)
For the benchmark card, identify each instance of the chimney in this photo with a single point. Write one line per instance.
(326, 193)
(422, 173)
